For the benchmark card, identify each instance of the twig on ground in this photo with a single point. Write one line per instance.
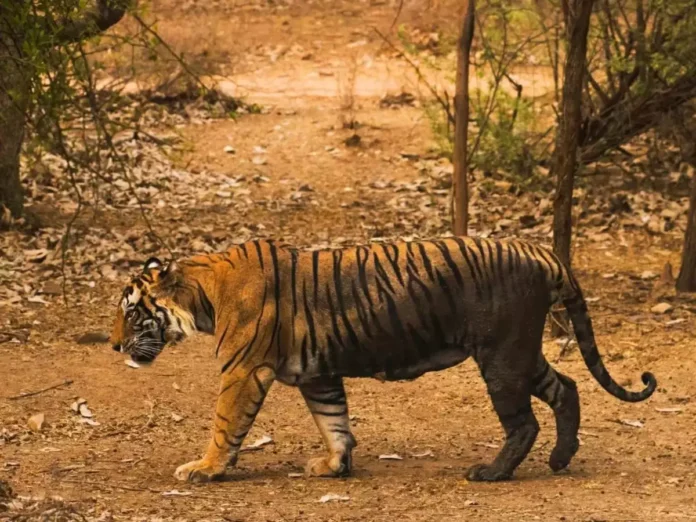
(67, 382)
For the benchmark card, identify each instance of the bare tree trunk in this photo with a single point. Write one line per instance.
(460, 185)
(686, 282)
(12, 91)
(577, 18)
(565, 158)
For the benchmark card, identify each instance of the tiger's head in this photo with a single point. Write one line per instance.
(148, 316)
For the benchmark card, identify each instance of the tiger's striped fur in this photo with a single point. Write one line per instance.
(389, 310)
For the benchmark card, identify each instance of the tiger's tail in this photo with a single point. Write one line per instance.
(575, 304)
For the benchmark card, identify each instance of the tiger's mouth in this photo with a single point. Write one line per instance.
(145, 351)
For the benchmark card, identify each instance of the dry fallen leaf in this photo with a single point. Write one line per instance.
(176, 417)
(258, 443)
(426, 453)
(132, 363)
(333, 497)
(669, 410)
(391, 456)
(80, 407)
(632, 423)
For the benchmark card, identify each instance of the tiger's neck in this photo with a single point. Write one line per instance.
(197, 296)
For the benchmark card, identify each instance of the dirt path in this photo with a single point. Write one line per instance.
(636, 461)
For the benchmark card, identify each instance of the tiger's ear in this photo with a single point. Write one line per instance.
(152, 264)
(172, 268)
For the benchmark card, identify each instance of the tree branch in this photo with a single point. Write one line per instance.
(93, 21)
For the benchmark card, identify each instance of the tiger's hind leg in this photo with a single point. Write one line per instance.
(506, 370)
(561, 393)
(326, 399)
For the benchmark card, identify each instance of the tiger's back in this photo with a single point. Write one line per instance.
(397, 310)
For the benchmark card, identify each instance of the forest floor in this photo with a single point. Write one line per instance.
(293, 177)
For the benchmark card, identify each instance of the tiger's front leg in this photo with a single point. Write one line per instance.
(242, 393)
(326, 399)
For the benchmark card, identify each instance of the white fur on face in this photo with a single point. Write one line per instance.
(131, 299)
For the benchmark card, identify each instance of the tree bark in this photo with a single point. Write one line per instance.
(13, 89)
(565, 159)
(460, 185)
(686, 282)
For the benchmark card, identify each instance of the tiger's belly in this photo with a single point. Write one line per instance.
(295, 371)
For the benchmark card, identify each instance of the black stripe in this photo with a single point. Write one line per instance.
(293, 282)
(315, 275)
(362, 272)
(244, 249)
(446, 289)
(444, 250)
(488, 279)
(275, 336)
(334, 320)
(394, 261)
(426, 261)
(413, 294)
(338, 285)
(360, 309)
(392, 310)
(208, 308)
(310, 321)
(380, 271)
(411, 258)
(222, 338)
(259, 253)
(499, 261)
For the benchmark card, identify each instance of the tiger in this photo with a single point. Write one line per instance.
(389, 310)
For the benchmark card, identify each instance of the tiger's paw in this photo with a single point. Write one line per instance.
(486, 473)
(561, 455)
(199, 471)
(328, 467)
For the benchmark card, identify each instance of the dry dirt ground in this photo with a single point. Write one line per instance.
(636, 462)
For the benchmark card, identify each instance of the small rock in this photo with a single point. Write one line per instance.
(36, 422)
(352, 141)
(176, 417)
(661, 308)
(259, 160)
(229, 149)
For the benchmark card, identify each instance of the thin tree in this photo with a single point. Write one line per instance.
(23, 24)
(460, 185)
(686, 282)
(565, 158)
